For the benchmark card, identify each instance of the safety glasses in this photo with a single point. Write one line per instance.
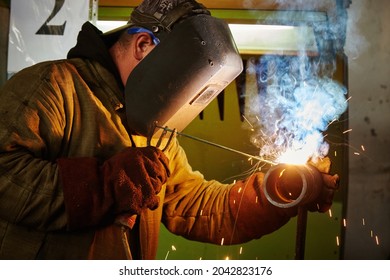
(135, 30)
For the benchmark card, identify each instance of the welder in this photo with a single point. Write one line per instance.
(76, 179)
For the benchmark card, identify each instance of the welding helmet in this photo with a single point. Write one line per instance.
(158, 16)
(194, 61)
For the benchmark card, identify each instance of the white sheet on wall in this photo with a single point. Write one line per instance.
(43, 30)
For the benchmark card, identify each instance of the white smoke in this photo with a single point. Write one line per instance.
(356, 43)
(298, 98)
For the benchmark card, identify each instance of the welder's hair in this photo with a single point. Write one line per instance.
(124, 38)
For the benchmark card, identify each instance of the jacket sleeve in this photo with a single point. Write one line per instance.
(213, 212)
(30, 192)
(195, 208)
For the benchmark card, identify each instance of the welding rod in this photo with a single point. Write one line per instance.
(216, 145)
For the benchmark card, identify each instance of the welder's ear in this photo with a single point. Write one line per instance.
(143, 45)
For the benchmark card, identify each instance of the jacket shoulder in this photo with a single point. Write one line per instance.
(30, 80)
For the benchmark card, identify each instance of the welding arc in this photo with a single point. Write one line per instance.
(216, 145)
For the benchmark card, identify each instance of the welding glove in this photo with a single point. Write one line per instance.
(329, 186)
(255, 216)
(127, 183)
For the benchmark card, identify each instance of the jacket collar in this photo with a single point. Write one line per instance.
(90, 45)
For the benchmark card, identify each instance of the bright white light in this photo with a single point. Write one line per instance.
(107, 25)
(257, 38)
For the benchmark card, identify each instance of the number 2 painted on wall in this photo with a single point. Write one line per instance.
(47, 29)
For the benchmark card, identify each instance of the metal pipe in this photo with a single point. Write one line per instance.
(216, 145)
(288, 185)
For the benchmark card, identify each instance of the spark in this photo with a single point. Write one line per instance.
(331, 123)
(330, 213)
(377, 240)
(222, 241)
(173, 249)
(257, 199)
(348, 130)
(356, 153)
(234, 201)
(363, 222)
(363, 148)
(239, 190)
(201, 212)
(345, 222)
(240, 250)
(227, 258)
(252, 129)
(335, 153)
(337, 241)
(371, 233)
(348, 99)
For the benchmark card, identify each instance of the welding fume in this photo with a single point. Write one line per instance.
(91, 165)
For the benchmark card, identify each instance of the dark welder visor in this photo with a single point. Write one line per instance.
(182, 75)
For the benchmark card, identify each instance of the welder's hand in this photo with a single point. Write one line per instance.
(325, 199)
(322, 164)
(329, 187)
(135, 177)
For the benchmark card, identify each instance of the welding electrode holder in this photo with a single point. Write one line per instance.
(287, 185)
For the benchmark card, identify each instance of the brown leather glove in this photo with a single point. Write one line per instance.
(125, 183)
(135, 177)
(329, 187)
(253, 214)
(325, 198)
